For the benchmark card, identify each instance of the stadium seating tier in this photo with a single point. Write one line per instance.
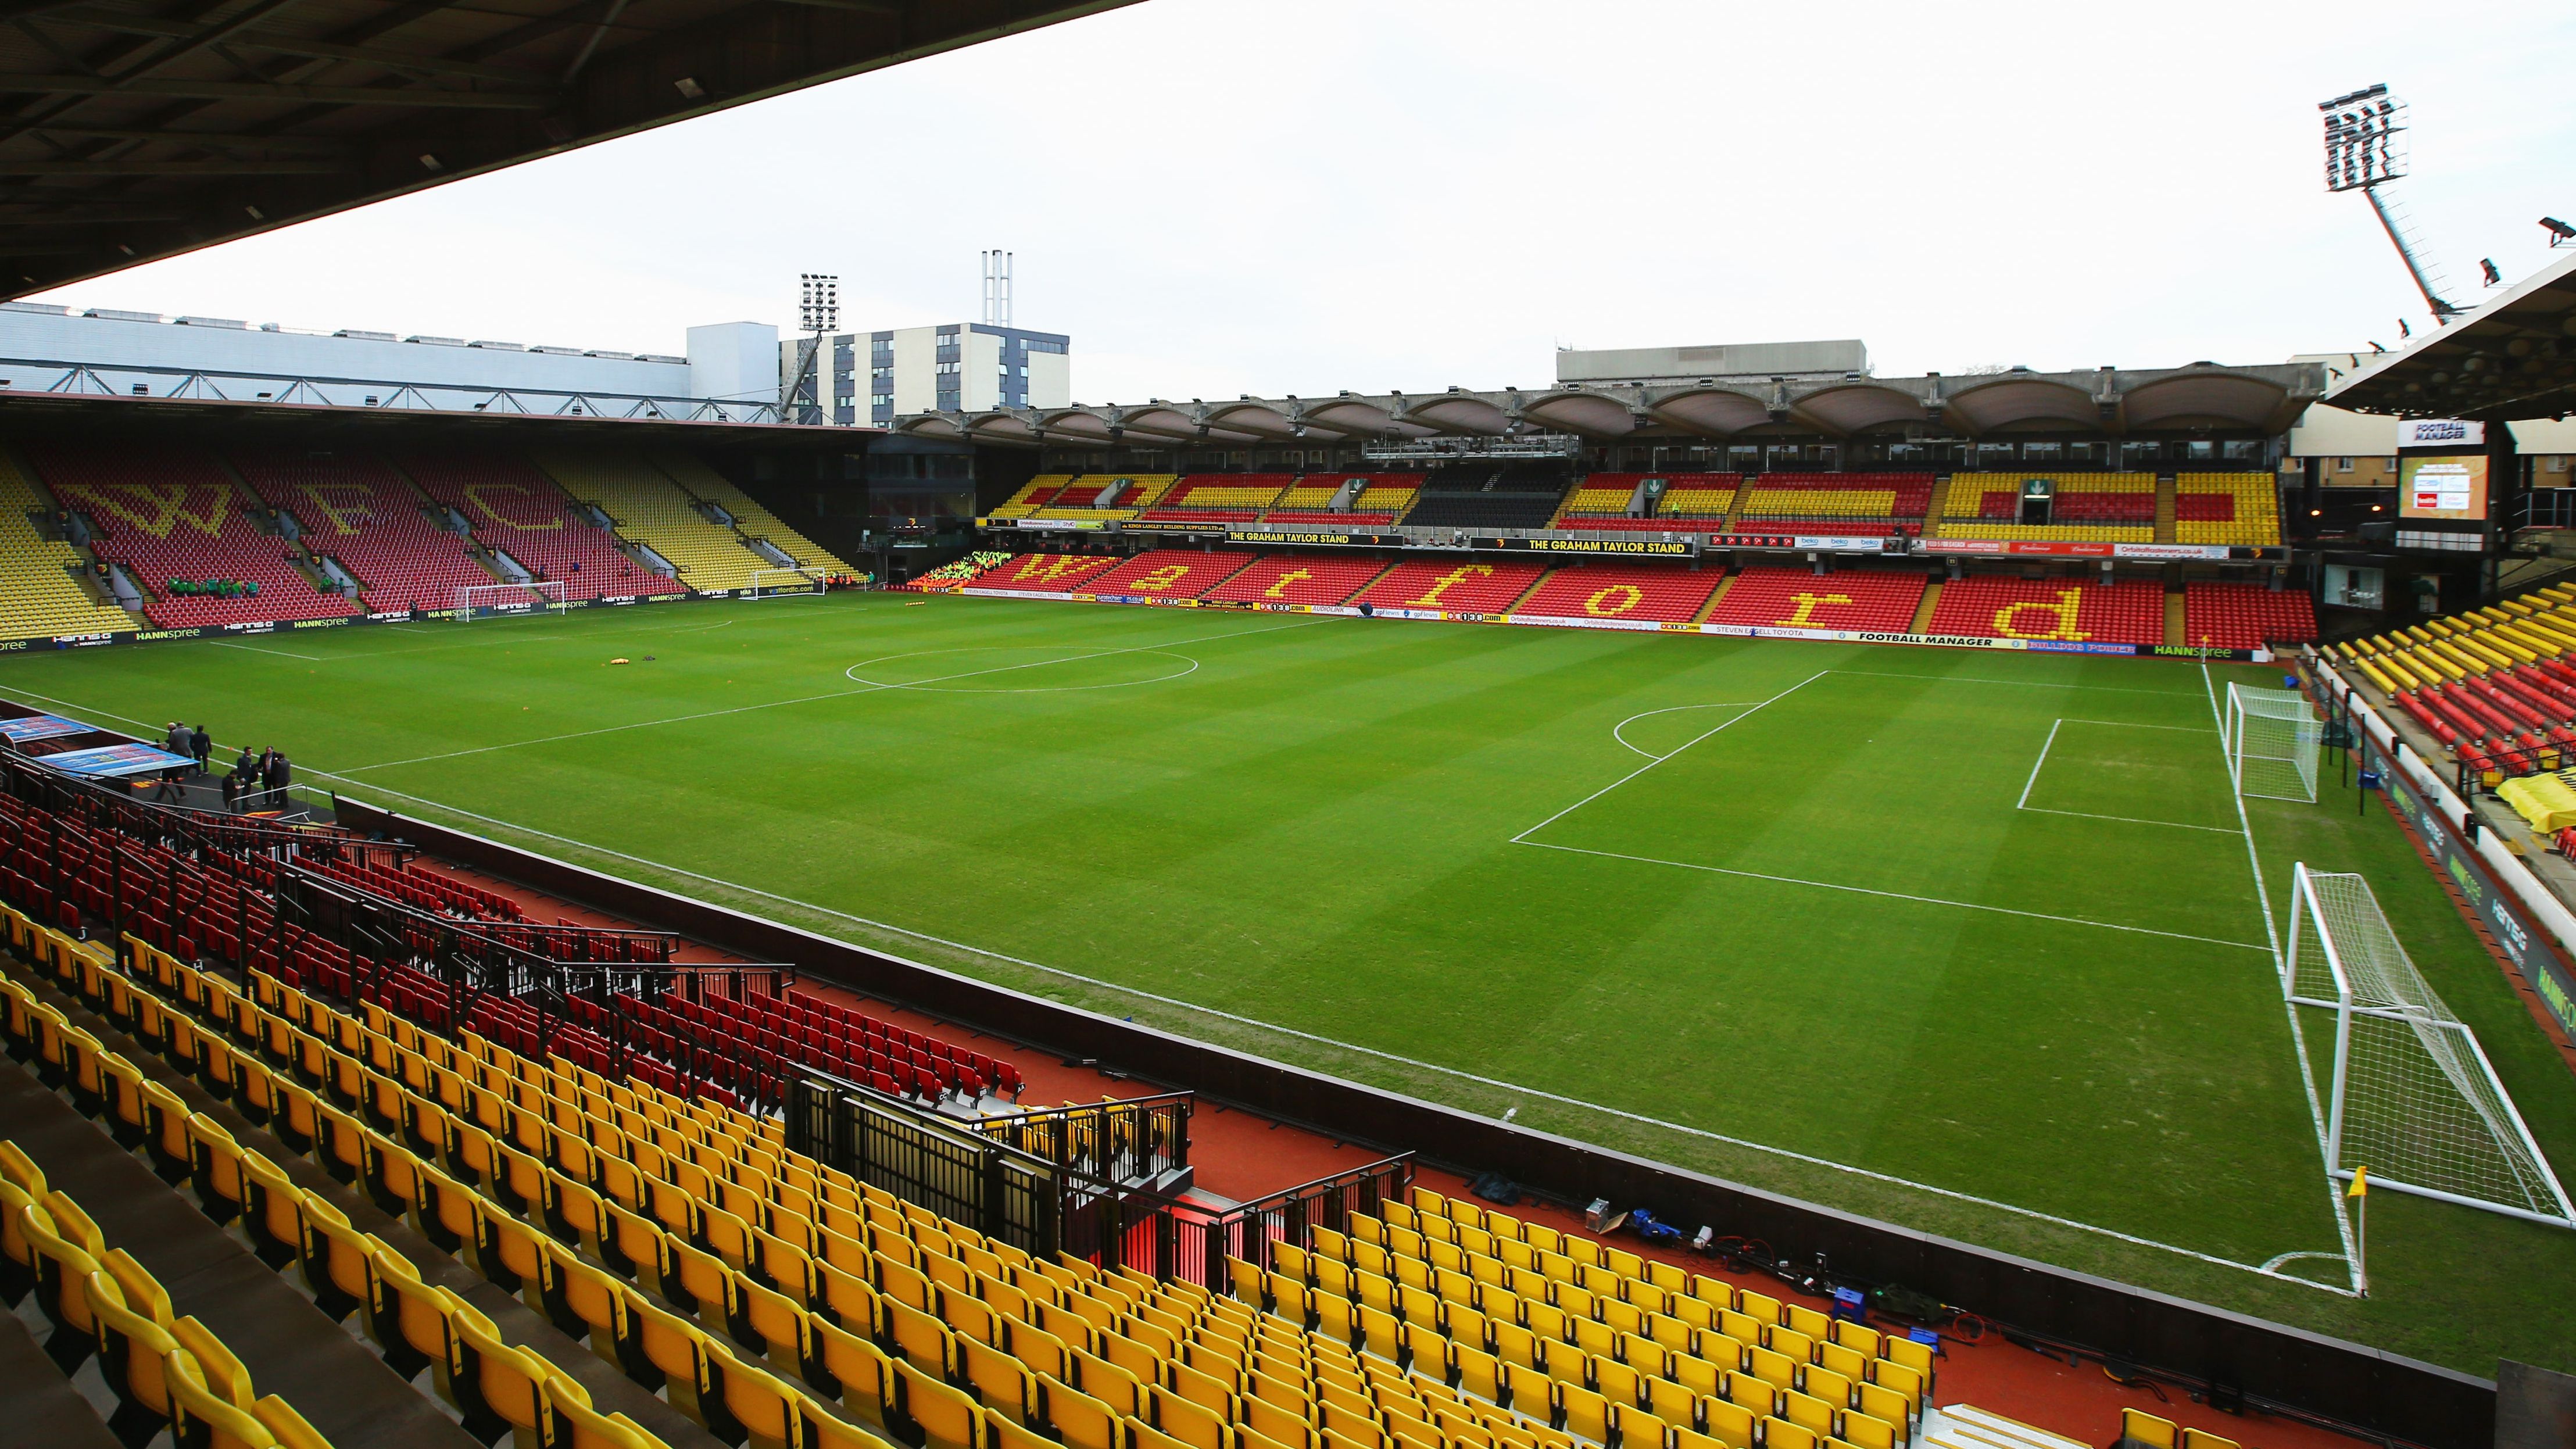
(1623, 591)
(173, 516)
(1786, 598)
(1452, 586)
(1290, 578)
(513, 507)
(2246, 616)
(1044, 573)
(1168, 573)
(38, 595)
(357, 509)
(648, 508)
(1990, 606)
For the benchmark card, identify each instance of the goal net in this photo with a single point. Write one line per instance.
(484, 601)
(773, 583)
(2412, 1097)
(2272, 739)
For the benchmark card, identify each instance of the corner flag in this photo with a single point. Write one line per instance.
(2360, 1183)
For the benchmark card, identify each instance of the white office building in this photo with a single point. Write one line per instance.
(868, 379)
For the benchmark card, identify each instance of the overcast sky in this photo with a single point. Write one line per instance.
(1217, 197)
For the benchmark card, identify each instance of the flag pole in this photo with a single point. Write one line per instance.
(2361, 1247)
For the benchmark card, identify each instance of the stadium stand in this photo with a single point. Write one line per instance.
(1706, 497)
(1782, 598)
(1034, 494)
(2246, 616)
(1169, 573)
(1298, 578)
(2495, 685)
(1864, 504)
(38, 595)
(1081, 498)
(1382, 500)
(176, 521)
(1220, 497)
(1452, 586)
(1044, 573)
(1623, 591)
(750, 519)
(1602, 495)
(957, 572)
(650, 509)
(2241, 509)
(2087, 507)
(1507, 495)
(1991, 606)
(356, 509)
(836, 1312)
(517, 510)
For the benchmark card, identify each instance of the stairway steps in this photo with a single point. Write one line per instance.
(1923, 611)
(37, 1403)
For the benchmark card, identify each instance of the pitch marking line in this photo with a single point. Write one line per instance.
(1619, 731)
(262, 649)
(1827, 885)
(2298, 1036)
(2024, 802)
(812, 698)
(1523, 837)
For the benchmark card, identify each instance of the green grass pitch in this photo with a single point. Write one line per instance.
(1966, 940)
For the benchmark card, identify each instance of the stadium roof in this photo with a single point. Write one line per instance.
(2108, 401)
(140, 129)
(2512, 359)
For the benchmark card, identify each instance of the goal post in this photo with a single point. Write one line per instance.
(484, 601)
(2410, 1094)
(785, 583)
(2272, 739)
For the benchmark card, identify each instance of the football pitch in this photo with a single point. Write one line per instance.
(1979, 942)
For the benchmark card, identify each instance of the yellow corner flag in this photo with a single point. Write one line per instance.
(2360, 1183)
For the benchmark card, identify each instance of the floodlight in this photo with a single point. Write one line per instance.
(2488, 266)
(2365, 136)
(2560, 233)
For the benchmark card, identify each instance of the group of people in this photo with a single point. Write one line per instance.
(214, 588)
(257, 781)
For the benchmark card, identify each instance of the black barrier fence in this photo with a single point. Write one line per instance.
(1122, 1141)
(926, 1159)
(2209, 1350)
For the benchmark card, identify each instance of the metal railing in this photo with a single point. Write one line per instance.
(1176, 1238)
(1111, 1142)
(932, 1161)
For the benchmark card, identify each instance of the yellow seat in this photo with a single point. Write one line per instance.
(676, 1351)
(205, 1420)
(133, 1350)
(1080, 1420)
(496, 1385)
(60, 1271)
(2140, 1427)
(858, 1369)
(335, 1258)
(406, 1317)
(946, 1418)
(2203, 1439)
(279, 1418)
(750, 1401)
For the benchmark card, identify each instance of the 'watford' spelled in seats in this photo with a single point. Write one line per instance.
(358, 510)
(1168, 573)
(1044, 573)
(2238, 509)
(174, 518)
(518, 510)
(1289, 578)
(1623, 591)
(1452, 587)
(1797, 599)
(2246, 616)
(2068, 609)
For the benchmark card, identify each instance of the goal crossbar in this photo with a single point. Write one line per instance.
(2272, 740)
(795, 583)
(537, 595)
(2411, 1095)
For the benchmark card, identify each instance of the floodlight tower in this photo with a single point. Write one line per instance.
(2365, 150)
(818, 308)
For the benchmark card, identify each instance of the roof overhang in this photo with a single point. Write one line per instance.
(141, 132)
(2511, 360)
